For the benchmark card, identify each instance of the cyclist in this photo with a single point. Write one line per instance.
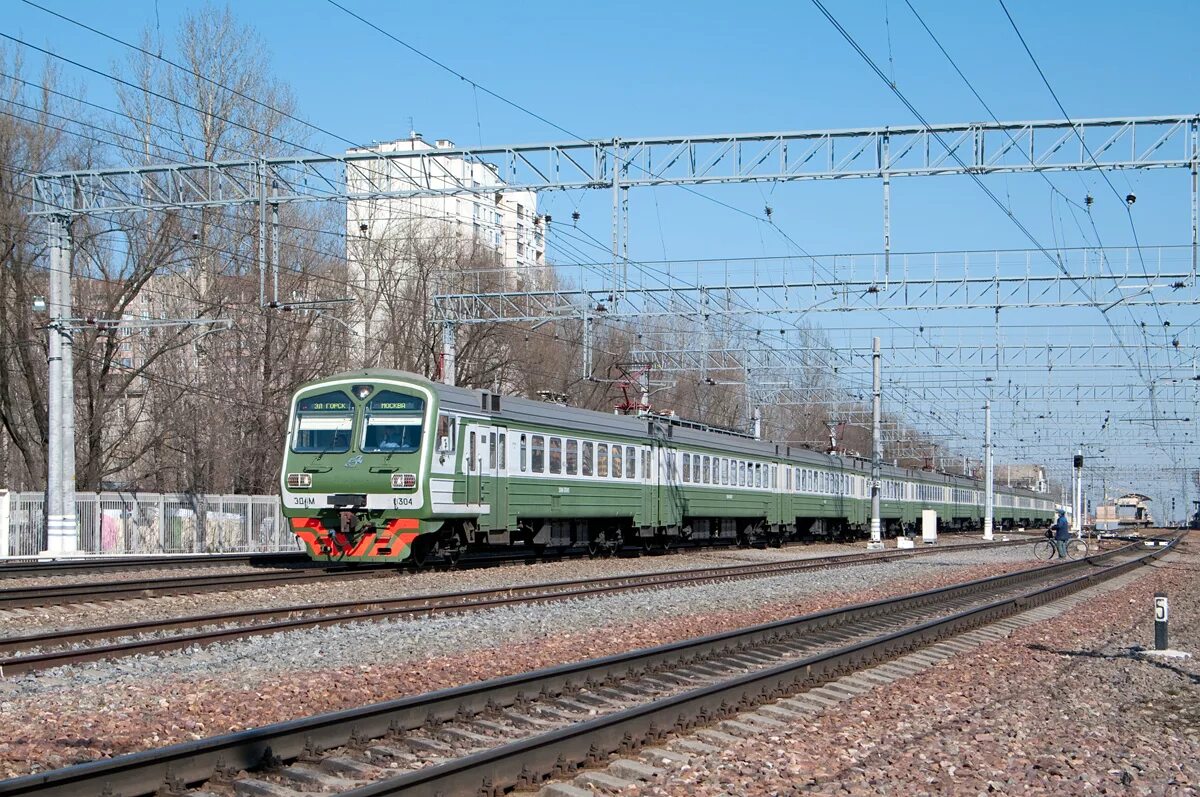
(1062, 533)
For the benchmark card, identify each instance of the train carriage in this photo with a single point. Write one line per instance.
(385, 466)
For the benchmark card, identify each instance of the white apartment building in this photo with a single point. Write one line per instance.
(504, 222)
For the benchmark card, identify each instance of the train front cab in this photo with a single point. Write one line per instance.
(355, 483)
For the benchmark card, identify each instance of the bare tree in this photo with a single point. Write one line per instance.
(34, 137)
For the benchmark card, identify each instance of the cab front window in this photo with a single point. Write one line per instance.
(323, 424)
(393, 423)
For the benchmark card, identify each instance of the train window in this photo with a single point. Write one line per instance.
(687, 467)
(602, 459)
(706, 470)
(393, 423)
(757, 474)
(472, 451)
(645, 463)
(492, 445)
(524, 454)
(630, 463)
(447, 439)
(537, 446)
(502, 453)
(587, 459)
(555, 455)
(774, 477)
(572, 457)
(616, 462)
(741, 471)
(323, 424)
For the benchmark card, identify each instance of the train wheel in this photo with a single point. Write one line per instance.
(424, 551)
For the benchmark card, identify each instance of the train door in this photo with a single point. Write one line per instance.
(472, 460)
(496, 477)
(649, 486)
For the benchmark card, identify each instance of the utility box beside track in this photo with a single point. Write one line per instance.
(929, 526)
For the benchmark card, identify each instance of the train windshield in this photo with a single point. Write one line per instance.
(323, 424)
(393, 423)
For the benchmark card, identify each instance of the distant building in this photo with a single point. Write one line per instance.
(505, 223)
(1029, 477)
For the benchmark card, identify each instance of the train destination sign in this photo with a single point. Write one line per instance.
(389, 401)
(326, 402)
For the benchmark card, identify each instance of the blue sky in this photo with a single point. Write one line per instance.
(634, 69)
(642, 69)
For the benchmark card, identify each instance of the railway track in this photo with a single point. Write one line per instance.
(19, 568)
(485, 738)
(58, 648)
(25, 597)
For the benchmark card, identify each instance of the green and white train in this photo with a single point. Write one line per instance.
(385, 465)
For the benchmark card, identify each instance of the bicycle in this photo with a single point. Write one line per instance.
(1077, 548)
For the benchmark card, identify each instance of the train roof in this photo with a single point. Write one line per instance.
(522, 410)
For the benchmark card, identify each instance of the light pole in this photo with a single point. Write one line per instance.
(876, 445)
(989, 492)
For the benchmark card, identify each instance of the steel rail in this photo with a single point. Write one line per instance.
(21, 568)
(284, 619)
(25, 597)
(529, 760)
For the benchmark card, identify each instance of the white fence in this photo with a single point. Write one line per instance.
(154, 523)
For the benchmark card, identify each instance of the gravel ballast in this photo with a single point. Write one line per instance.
(78, 713)
(1065, 706)
(386, 584)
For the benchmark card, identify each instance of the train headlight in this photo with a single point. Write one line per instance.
(404, 481)
(299, 481)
